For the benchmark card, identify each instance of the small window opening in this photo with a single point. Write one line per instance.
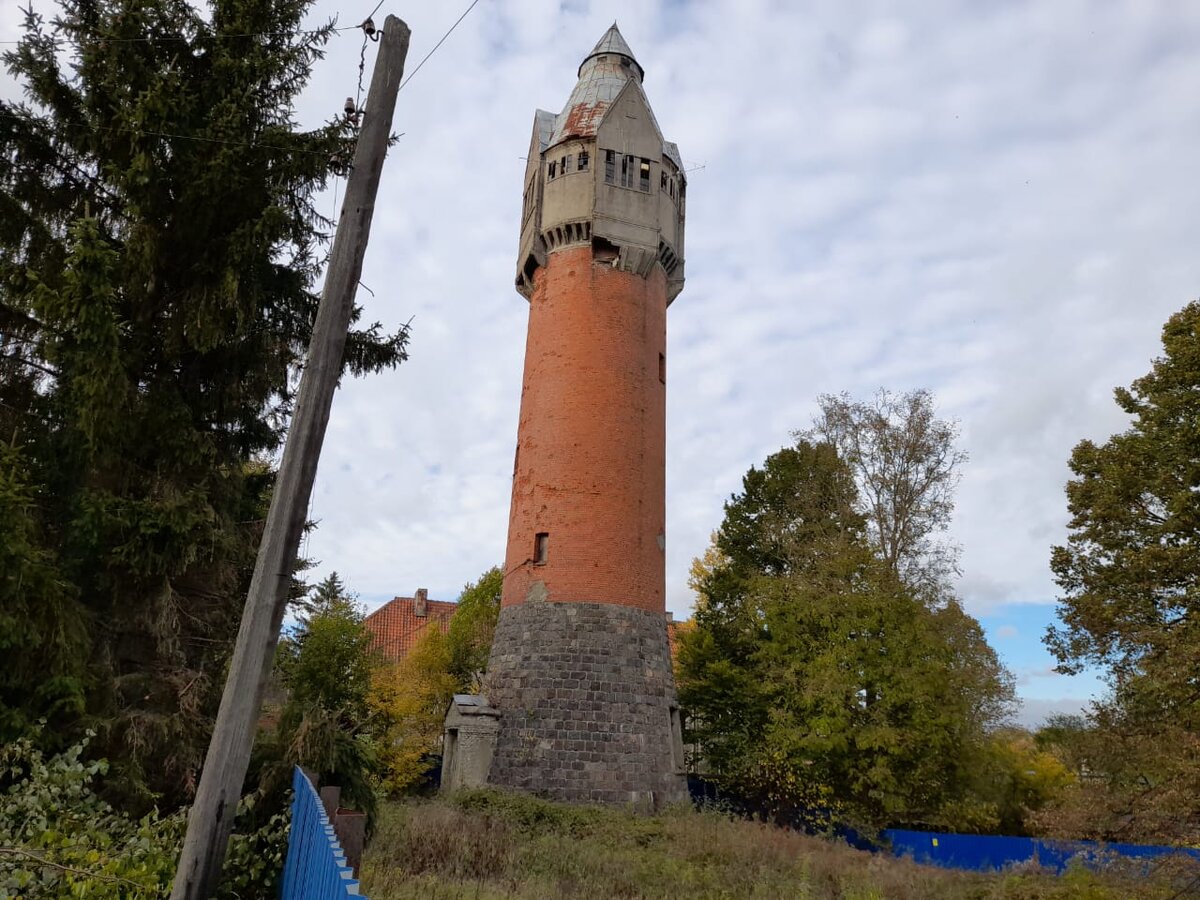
(562, 165)
(662, 181)
(628, 165)
(553, 169)
(583, 160)
(644, 176)
(610, 166)
(566, 166)
(541, 547)
(662, 368)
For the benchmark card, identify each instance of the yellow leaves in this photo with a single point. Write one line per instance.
(1039, 773)
(411, 698)
(702, 568)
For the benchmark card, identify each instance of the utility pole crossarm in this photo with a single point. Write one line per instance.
(210, 821)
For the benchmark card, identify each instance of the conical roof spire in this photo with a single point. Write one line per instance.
(613, 42)
(602, 75)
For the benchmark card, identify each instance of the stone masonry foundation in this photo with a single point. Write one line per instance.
(587, 704)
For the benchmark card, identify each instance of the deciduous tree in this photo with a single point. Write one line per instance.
(815, 675)
(906, 466)
(1130, 580)
(472, 627)
(411, 698)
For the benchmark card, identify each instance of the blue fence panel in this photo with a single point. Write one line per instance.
(985, 852)
(315, 868)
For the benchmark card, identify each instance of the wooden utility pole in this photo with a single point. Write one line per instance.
(211, 818)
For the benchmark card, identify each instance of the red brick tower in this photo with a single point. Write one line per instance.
(580, 669)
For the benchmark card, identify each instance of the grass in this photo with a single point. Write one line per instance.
(485, 845)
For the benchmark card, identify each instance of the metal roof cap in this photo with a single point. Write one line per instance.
(613, 42)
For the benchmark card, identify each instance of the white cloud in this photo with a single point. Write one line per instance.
(997, 202)
(1006, 632)
(1033, 712)
(1026, 675)
(995, 205)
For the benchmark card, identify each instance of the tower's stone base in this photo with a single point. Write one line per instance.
(587, 704)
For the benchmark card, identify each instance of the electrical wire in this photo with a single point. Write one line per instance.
(371, 14)
(166, 134)
(362, 68)
(214, 36)
(435, 46)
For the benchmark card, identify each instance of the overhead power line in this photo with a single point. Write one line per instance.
(438, 44)
(166, 134)
(214, 36)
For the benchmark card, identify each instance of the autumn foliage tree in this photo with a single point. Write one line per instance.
(410, 699)
(1130, 580)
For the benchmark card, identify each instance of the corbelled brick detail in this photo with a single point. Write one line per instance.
(591, 460)
(586, 696)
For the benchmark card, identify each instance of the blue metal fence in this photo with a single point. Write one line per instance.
(315, 868)
(984, 852)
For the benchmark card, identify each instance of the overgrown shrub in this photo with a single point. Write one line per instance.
(59, 838)
(486, 845)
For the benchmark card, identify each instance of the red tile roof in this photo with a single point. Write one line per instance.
(397, 627)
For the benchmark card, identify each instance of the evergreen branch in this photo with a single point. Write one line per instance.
(24, 412)
(163, 38)
(29, 362)
(165, 134)
(75, 177)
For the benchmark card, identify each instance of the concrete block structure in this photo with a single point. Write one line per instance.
(468, 742)
(580, 670)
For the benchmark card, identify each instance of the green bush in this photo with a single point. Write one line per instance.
(59, 838)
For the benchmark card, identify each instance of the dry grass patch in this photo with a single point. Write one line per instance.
(487, 845)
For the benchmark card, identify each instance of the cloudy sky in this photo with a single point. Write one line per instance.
(999, 202)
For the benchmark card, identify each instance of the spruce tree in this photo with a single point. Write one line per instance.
(159, 251)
